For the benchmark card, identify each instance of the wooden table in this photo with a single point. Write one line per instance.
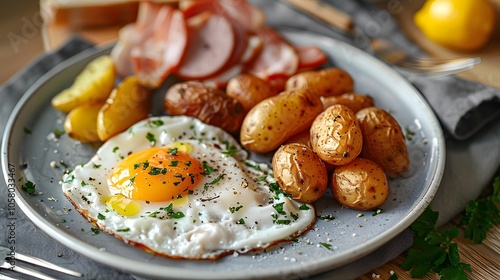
(484, 258)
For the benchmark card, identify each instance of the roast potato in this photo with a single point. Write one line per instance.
(273, 120)
(93, 84)
(326, 82)
(300, 173)
(360, 184)
(208, 104)
(336, 136)
(127, 104)
(303, 137)
(81, 123)
(383, 140)
(352, 100)
(249, 90)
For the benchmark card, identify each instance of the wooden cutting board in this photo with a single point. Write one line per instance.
(487, 72)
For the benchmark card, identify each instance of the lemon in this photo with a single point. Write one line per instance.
(464, 25)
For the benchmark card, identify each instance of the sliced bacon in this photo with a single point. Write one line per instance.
(277, 58)
(161, 54)
(211, 46)
(310, 57)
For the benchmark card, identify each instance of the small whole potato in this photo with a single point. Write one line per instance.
(303, 137)
(383, 140)
(336, 136)
(249, 90)
(352, 100)
(275, 119)
(360, 184)
(208, 104)
(300, 173)
(326, 82)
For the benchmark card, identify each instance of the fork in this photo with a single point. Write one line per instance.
(10, 263)
(382, 49)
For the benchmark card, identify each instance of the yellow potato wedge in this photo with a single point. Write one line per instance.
(81, 123)
(93, 84)
(127, 104)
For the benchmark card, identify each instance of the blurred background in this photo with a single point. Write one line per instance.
(20, 35)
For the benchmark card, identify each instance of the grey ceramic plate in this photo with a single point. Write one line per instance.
(351, 236)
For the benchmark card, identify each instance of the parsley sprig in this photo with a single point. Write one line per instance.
(434, 250)
(482, 214)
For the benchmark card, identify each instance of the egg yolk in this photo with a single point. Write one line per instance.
(156, 174)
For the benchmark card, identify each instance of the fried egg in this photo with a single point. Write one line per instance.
(180, 188)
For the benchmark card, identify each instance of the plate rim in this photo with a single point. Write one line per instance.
(155, 270)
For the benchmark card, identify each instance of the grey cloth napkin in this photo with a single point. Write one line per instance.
(468, 167)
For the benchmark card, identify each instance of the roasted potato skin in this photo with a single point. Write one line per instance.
(249, 90)
(360, 184)
(326, 82)
(127, 104)
(208, 104)
(355, 101)
(81, 123)
(299, 172)
(273, 120)
(336, 136)
(383, 140)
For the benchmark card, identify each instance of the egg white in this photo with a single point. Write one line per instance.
(239, 213)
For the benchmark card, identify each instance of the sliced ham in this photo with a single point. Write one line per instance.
(277, 58)
(160, 54)
(310, 57)
(211, 45)
(131, 36)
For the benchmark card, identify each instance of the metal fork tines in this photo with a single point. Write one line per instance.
(11, 262)
(421, 65)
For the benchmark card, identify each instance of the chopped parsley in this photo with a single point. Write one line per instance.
(115, 149)
(328, 217)
(153, 214)
(233, 209)
(213, 182)
(304, 207)
(123, 230)
(151, 138)
(241, 221)
(230, 149)
(207, 169)
(326, 245)
(173, 151)
(58, 133)
(254, 166)
(94, 230)
(279, 208)
(274, 187)
(157, 171)
(171, 213)
(377, 211)
(29, 187)
(156, 123)
(101, 216)
(174, 163)
(96, 166)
